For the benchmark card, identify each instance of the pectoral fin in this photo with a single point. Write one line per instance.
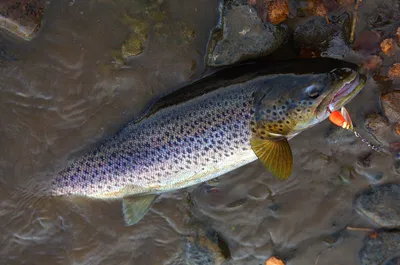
(275, 155)
(135, 207)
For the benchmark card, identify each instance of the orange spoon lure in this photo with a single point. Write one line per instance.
(342, 119)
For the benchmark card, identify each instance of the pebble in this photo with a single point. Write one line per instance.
(390, 103)
(380, 204)
(241, 27)
(379, 247)
(22, 18)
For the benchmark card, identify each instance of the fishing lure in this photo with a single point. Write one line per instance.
(342, 119)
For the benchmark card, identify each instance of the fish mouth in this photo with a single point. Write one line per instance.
(342, 95)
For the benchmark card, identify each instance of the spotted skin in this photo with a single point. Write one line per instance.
(176, 147)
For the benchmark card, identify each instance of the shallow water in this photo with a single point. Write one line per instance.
(63, 93)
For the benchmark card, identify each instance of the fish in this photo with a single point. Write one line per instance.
(212, 126)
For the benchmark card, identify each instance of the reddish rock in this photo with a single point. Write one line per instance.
(397, 128)
(367, 42)
(388, 47)
(390, 102)
(394, 71)
(372, 63)
(22, 17)
(398, 36)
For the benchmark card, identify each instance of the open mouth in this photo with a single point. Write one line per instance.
(344, 91)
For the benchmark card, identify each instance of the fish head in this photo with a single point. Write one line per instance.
(298, 101)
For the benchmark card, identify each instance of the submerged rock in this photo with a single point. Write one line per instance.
(336, 135)
(393, 261)
(22, 18)
(202, 249)
(318, 36)
(377, 126)
(381, 204)
(390, 102)
(379, 247)
(132, 46)
(243, 36)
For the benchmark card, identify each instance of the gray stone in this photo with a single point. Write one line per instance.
(381, 204)
(244, 36)
(379, 247)
(22, 18)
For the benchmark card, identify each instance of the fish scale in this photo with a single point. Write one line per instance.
(202, 137)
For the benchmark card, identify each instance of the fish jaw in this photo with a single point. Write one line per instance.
(341, 96)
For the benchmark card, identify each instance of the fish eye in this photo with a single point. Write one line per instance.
(313, 92)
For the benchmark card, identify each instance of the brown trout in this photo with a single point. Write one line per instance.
(210, 127)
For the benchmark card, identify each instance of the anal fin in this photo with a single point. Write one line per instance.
(135, 207)
(275, 155)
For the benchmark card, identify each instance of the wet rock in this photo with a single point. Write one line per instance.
(22, 18)
(390, 102)
(243, 36)
(379, 247)
(319, 36)
(381, 204)
(376, 126)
